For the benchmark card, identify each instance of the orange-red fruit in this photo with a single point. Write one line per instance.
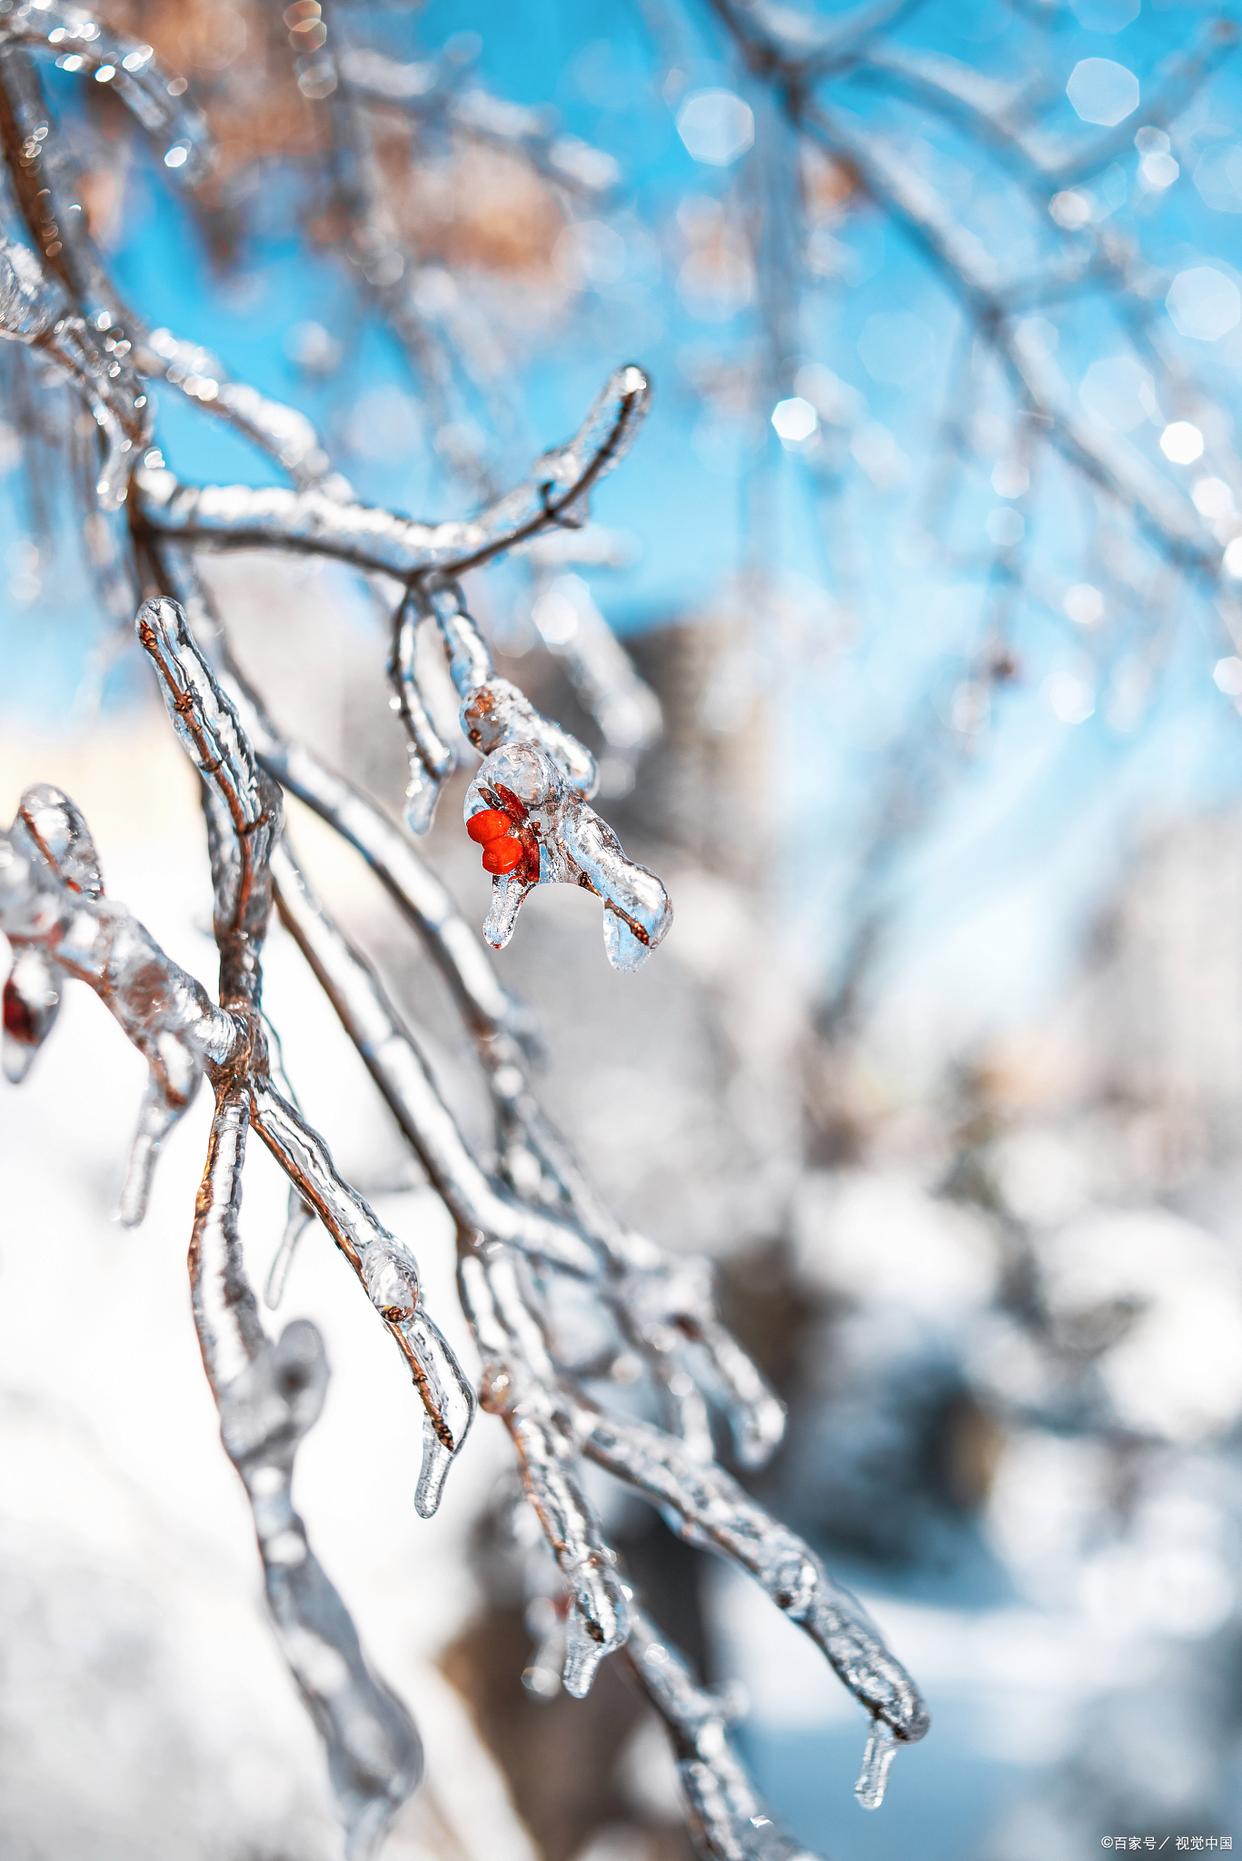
(18, 1020)
(490, 824)
(502, 855)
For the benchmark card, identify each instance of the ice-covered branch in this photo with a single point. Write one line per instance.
(312, 521)
(389, 1274)
(282, 432)
(728, 1820)
(404, 1078)
(716, 1513)
(52, 903)
(244, 813)
(432, 95)
(269, 1392)
(81, 43)
(33, 312)
(520, 1386)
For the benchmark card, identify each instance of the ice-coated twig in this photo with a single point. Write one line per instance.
(429, 93)
(728, 1821)
(431, 759)
(286, 435)
(519, 1385)
(569, 622)
(312, 521)
(52, 900)
(269, 1392)
(716, 1513)
(495, 712)
(33, 312)
(244, 824)
(80, 43)
(390, 1276)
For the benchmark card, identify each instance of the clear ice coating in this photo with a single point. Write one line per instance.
(627, 711)
(390, 1275)
(528, 1221)
(431, 759)
(33, 312)
(728, 1819)
(564, 841)
(320, 521)
(52, 903)
(127, 66)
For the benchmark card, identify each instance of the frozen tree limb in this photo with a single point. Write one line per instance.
(519, 1385)
(52, 901)
(80, 43)
(531, 1230)
(283, 433)
(429, 93)
(727, 1819)
(31, 312)
(269, 1393)
(311, 521)
(715, 1512)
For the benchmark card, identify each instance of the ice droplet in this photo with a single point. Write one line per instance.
(877, 1757)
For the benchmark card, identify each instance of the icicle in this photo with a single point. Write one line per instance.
(431, 759)
(163, 1103)
(877, 1759)
(298, 1217)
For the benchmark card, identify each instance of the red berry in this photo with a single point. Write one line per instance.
(488, 824)
(502, 854)
(18, 1020)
